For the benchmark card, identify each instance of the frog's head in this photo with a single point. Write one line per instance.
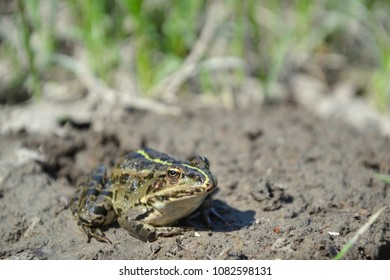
(180, 187)
(180, 180)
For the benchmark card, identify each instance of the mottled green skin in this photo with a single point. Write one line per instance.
(146, 192)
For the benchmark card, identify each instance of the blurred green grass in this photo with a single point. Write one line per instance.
(274, 39)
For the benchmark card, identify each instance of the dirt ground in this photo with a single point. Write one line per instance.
(291, 186)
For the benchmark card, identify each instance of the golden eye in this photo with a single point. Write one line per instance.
(174, 173)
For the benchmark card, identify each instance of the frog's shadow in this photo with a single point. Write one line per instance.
(230, 219)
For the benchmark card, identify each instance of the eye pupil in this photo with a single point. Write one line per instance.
(173, 173)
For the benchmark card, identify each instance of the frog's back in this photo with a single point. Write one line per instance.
(145, 159)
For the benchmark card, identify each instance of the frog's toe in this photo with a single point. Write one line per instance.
(170, 231)
(97, 234)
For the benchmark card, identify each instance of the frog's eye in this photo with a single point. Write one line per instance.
(200, 161)
(174, 173)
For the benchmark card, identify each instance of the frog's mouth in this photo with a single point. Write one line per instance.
(212, 185)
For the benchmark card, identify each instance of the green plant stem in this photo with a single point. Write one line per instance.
(362, 230)
(382, 177)
(34, 76)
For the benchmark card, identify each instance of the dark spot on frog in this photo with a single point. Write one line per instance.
(100, 210)
(138, 227)
(92, 192)
(124, 178)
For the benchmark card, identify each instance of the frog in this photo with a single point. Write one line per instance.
(147, 193)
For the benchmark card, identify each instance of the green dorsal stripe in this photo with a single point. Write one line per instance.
(147, 156)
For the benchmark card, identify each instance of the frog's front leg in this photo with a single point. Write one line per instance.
(134, 221)
(92, 204)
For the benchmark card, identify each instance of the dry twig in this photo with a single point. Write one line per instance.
(171, 84)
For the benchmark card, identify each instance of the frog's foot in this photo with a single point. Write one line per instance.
(207, 209)
(206, 213)
(96, 233)
(146, 232)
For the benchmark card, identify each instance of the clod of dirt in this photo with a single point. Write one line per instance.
(270, 195)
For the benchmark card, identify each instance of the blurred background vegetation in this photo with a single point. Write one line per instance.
(171, 48)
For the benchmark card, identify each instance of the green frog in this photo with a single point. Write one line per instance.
(147, 192)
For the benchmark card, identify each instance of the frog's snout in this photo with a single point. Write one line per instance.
(212, 184)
